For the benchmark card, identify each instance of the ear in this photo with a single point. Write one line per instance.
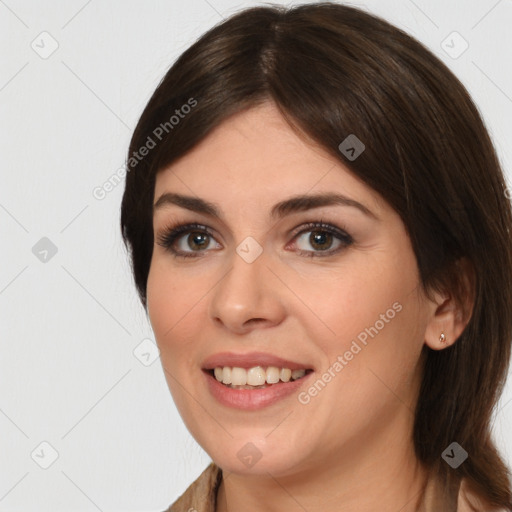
(449, 315)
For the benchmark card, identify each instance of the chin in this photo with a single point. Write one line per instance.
(255, 456)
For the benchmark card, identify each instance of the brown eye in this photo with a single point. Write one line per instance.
(321, 240)
(197, 241)
(188, 240)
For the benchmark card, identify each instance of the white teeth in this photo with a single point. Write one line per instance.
(256, 376)
(225, 376)
(272, 375)
(297, 374)
(238, 376)
(285, 374)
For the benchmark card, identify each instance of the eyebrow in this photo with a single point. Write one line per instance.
(292, 205)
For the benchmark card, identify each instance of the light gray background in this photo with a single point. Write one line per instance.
(69, 326)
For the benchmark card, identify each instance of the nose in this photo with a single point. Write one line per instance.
(248, 296)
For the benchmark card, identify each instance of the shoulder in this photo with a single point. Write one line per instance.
(469, 501)
(201, 494)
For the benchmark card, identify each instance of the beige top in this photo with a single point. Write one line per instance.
(201, 496)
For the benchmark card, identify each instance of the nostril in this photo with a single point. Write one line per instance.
(255, 320)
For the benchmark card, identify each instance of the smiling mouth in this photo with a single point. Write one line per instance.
(255, 378)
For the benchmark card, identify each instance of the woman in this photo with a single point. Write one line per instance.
(320, 234)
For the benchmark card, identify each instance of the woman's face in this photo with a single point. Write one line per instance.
(342, 300)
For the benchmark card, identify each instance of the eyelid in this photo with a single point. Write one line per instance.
(320, 226)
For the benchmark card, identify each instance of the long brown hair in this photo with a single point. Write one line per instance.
(334, 70)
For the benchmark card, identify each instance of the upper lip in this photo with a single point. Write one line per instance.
(249, 360)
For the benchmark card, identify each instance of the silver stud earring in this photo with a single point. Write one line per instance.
(442, 338)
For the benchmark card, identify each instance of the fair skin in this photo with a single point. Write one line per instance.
(349, 447)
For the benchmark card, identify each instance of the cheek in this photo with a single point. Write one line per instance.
(371, 370)
(160, 292)
(173, 307)
(347, 301)
(174, 303)
(375, 318)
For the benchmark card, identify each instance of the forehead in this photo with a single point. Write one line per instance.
(255, 157)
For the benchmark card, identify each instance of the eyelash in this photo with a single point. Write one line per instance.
(171, 233)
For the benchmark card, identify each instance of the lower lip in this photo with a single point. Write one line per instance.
(253, 399)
